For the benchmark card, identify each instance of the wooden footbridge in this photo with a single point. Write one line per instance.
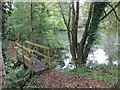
(27, 56)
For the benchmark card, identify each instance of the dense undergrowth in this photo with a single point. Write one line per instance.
(18, 76)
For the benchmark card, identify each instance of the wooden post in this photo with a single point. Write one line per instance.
(23, 57)
(29, 45)
(22, 54)
(31, 63)
(48, 56)
(16, 50)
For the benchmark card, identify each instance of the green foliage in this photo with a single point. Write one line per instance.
(6, 12)
(19, 77)
(109, 24)
(52, 63)
(10, 64)
(18, 22)
(16, 78)
(106, 73)
(45, 24)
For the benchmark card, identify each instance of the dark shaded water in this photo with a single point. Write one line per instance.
(104, 52)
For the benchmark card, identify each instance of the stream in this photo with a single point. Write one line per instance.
(104, 52)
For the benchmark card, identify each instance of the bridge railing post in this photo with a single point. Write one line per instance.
(31, 62)
(48, 54)
(16, 50)
(22, 54)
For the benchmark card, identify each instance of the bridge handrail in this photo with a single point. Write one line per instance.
(24, 56)
(30, 51)
(44, 47)
(34, 44)
(33, 51)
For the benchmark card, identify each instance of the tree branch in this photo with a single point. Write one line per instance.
(110, 11)
(114, 12)
(69, 20)
(70, 32)
(69, 15)
(82, 43)
(85, 35)
(105, 12)
(61, 10)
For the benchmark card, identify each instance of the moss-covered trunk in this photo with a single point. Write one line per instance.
(90, 31)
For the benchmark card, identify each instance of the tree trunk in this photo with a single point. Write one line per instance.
(80, 51)
(2, 69)
(76, 27)
(3, 28)
(67, 26)
(73, 49)
(75, 19)
(81, 45)
(97, 13)
(118, 27)
(72, 35)
(31, 20)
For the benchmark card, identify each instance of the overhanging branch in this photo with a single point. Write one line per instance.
(110, 11)
(114, 12)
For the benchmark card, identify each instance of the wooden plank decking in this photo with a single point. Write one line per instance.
(38, 66)
(30, 61)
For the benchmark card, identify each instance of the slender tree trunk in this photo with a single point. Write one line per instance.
(81, 45)
(70, 33)
(73, 49)
(76, 26)
(65, 21)
(75, 19)
(3, 34)
(31, 20)
(118, 28)
(2, 69)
